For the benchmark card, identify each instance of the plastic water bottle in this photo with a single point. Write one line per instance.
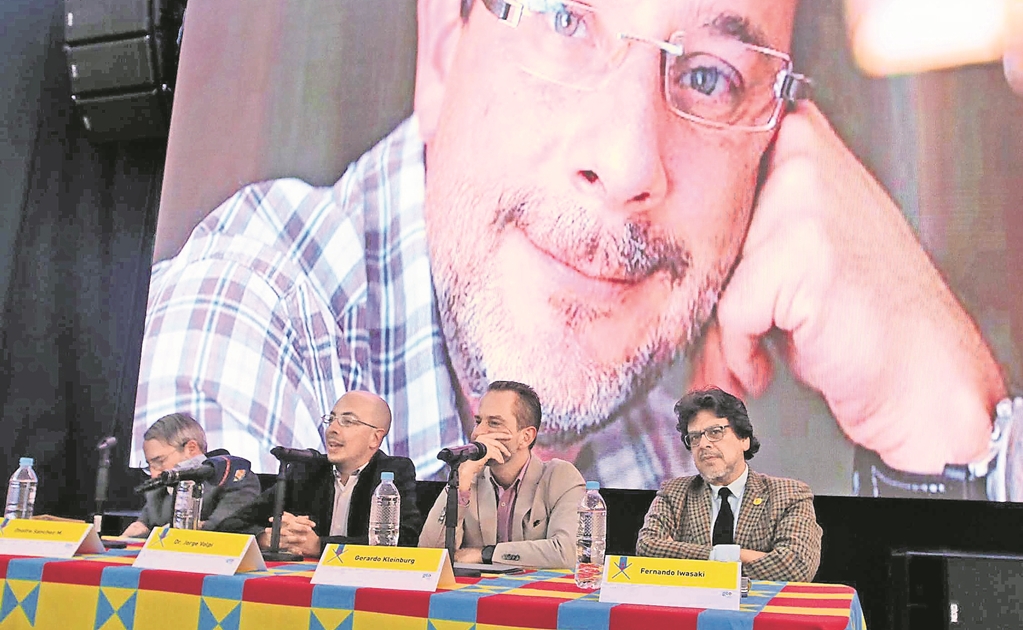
(21, 492)
(385, 512)
(591, 538)
(187, 505)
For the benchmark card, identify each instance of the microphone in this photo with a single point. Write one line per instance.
(103, 472)
(304, 455)
(457, 454)
(102, 478)
(220, 470)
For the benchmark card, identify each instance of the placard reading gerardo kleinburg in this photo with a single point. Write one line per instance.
(399, 568)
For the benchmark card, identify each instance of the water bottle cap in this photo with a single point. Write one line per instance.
(593, 485)
(26, 461)
(387, 476)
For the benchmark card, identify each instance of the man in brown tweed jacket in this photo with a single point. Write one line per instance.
(771, 519)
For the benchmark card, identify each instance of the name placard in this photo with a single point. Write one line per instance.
(50, 539)
(671, 582)
(400, 568)
(197, 551)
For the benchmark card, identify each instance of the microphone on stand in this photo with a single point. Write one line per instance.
(102, 479)
(304, 455)
(473, 451)
(220, 470)
(454, 456)
(286, 456)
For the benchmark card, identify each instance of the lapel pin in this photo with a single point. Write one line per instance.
(757, 501)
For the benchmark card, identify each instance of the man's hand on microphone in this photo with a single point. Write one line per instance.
(297, 535)
(497, 450)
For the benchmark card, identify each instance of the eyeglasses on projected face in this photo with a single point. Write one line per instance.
(717, 74)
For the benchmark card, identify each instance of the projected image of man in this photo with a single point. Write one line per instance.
(605, 186)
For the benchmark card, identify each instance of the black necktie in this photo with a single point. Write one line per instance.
(725, 523)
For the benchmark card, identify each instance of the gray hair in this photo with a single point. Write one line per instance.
(177, 429)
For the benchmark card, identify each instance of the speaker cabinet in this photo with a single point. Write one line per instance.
(122, 59)
(932, 590)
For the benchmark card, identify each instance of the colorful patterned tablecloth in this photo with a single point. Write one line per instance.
(100, 592)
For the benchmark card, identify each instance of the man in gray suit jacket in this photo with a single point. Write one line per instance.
(771, 519)
(513, 507)
(176, 440)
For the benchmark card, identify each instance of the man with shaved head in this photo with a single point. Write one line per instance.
(328, 501)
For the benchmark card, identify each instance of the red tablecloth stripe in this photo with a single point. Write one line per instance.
(514, 610)
(282, 590)
(84, 572)
(407, 603)
(171, 582)
(777, 621)
(809, 602)
(650, 617)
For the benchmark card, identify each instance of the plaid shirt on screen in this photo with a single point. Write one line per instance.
(287, 296)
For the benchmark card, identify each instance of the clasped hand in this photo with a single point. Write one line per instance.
(497, 451)
(297, 535)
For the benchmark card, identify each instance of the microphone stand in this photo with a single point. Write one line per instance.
(451, 510)
(451, 520)
(274, 553)
(102, 483)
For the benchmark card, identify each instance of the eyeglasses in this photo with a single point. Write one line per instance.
(714, 434)
(710, 77)
(345, 421)
(157, 463)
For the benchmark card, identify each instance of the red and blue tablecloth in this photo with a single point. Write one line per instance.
(100, 592)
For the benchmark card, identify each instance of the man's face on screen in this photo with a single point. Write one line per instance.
(580, 234)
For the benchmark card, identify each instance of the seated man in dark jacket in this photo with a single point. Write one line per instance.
(328, 501)
(178, 441)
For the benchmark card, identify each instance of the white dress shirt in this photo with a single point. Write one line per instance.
(738, 487)
(342, 502)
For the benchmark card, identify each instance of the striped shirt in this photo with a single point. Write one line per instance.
(287, 296)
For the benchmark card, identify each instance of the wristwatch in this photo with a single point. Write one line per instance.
(488, 554)
(987, 478)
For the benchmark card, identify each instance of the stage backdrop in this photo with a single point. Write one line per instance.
(272, 88)
(76, 234)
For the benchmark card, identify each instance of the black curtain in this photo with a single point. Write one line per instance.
(76, 234)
